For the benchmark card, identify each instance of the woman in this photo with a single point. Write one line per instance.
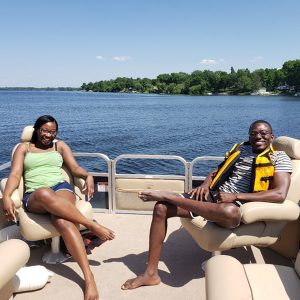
(40, 161)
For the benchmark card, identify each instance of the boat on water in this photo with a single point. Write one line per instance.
(117, 206)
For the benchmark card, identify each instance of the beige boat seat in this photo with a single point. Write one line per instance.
(14, 254)
(34, 227)
(227, 279)
(261, 222)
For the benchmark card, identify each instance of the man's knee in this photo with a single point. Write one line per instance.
(232, 215)
(160, 210)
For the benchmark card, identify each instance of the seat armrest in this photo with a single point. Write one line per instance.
(15, 195)
(14, 254)
(80, 183)
(266, 211)
(2, 184)
(225, 279)
(80, 188)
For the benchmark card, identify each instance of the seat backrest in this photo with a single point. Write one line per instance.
(291, 147)
(26, 134)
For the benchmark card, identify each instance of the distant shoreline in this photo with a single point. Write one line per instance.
(70, 89)
(40, 89)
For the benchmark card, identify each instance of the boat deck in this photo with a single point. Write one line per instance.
(114, 262)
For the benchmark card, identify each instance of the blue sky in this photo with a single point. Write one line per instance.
(65, 43)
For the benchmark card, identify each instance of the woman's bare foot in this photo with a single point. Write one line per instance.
(152, 195)
(91, 291)
(141, 280)
(102, 232)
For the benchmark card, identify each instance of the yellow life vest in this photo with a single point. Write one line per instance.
(262, 169)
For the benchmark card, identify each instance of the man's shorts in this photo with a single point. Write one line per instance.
(212, 198)
(61, 186)
(188, 196)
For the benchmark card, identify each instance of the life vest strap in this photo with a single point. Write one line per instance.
(266, 178)
(269, 164)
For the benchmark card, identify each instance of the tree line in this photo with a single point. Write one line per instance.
(284, 80)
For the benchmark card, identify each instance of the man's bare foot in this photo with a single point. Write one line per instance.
(153, 195)
(102, 232)
(141, 280)
(91, 291)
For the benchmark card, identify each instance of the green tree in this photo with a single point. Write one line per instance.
(197, 90)
(199, 82)
(242, 83)
(164, 78)
(291, 70)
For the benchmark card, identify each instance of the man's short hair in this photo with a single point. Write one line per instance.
(261, 121)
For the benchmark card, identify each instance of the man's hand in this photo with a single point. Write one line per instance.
(226, 197)
(200, 193)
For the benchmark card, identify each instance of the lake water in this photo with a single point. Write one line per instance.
(116, 124)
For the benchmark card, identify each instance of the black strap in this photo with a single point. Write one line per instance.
(266, 178)
(264, 164)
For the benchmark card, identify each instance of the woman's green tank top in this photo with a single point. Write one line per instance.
(42, 170)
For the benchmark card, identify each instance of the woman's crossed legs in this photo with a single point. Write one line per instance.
(64, 216)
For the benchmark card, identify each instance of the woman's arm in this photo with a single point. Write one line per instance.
(13, 181)
(75, 169)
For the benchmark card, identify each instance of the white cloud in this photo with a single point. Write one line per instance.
(208, 62)
(257, 58)
(121, 58)
(100, 57)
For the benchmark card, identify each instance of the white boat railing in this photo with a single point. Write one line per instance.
(149, 179)
(107, 174)
(5, 166)
(109, 187)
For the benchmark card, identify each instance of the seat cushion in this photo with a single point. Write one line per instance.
(228, 279)
(272, 282)
(14, 254)
(211, 237)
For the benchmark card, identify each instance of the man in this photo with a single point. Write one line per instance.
(252, 171)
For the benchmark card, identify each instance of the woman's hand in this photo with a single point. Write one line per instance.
(89, 183)
(9, 209)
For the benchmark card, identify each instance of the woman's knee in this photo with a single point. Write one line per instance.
(62, 224)
(44, 195)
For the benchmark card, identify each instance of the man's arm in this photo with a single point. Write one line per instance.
(280, 186)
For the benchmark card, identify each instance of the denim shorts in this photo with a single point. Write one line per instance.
(66, 186)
